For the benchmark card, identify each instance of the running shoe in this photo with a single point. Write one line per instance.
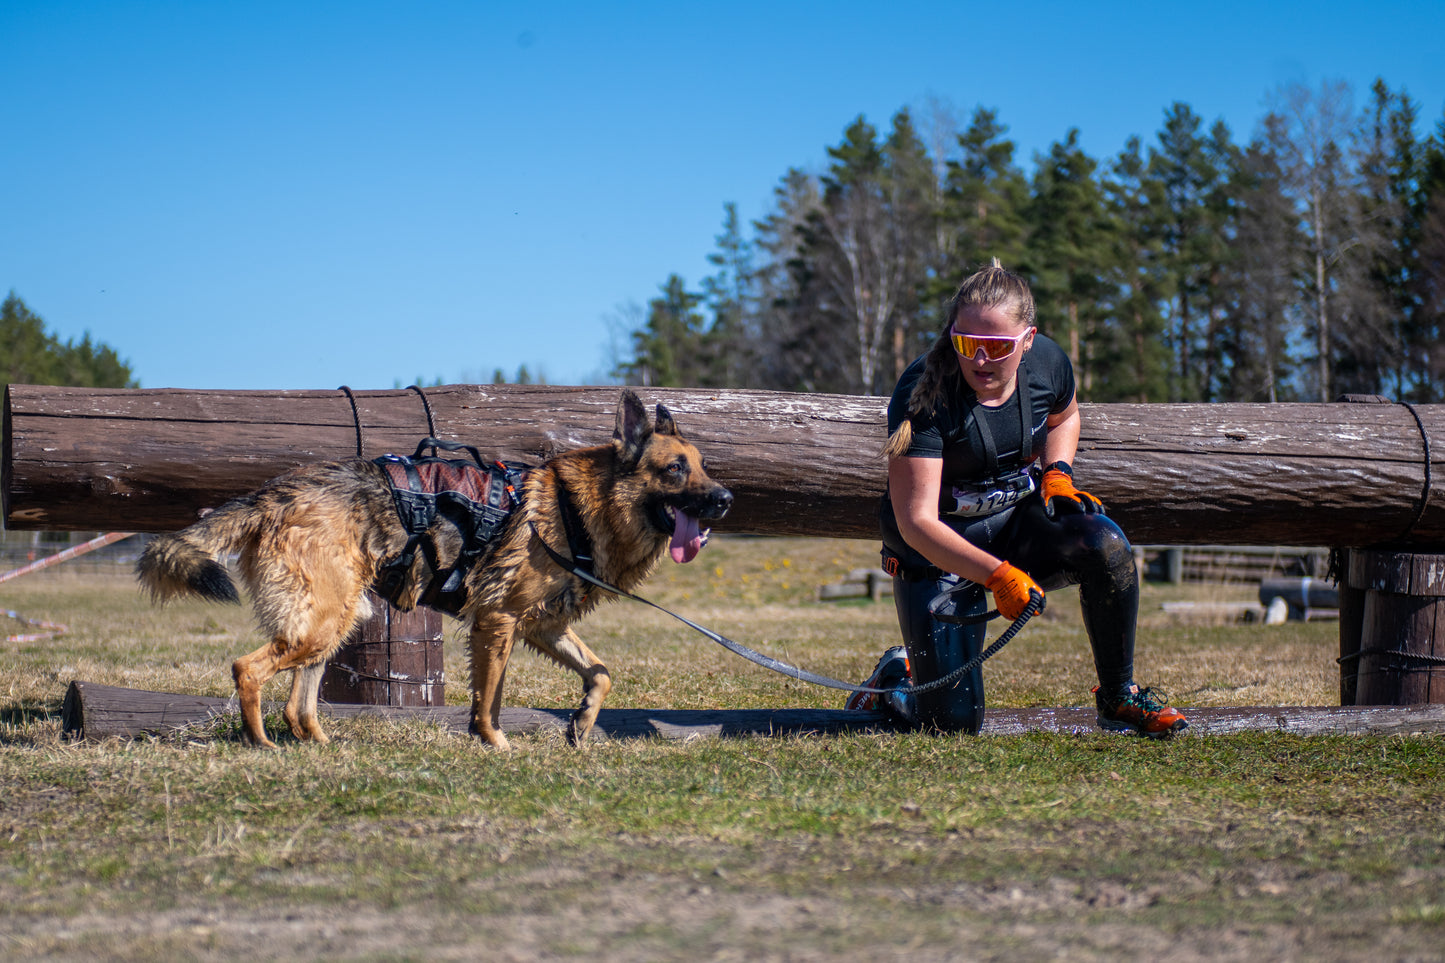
(892, 670)
(1143, 711)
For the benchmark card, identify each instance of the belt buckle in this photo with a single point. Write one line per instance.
(890, 565)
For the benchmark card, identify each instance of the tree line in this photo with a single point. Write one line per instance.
(1302, 265)
(30, 354)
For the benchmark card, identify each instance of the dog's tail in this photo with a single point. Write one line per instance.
(188, 562)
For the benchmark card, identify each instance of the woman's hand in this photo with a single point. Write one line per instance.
(1011, 587)
(1058, 492)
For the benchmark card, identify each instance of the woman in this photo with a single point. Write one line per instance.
(982, 432)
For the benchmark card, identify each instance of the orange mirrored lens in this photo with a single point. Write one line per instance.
(994, 348)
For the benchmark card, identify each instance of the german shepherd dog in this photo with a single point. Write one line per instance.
(310, 542)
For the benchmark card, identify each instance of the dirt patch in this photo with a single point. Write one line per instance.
(670, 919)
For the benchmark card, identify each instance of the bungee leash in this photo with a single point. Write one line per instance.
(1032, 608)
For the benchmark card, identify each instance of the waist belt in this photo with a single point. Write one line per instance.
(473, 498)
(897, 567)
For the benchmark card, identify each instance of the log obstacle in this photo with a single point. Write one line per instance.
(150, 460)
(93, 711)
(1392, 651)
(1360, 477)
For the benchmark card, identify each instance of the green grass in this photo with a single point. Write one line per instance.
(403, 841)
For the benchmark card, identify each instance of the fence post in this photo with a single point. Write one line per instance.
(1401, 649)
(393, 658)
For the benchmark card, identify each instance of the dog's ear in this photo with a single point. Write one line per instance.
(665, 425)
(632, 426)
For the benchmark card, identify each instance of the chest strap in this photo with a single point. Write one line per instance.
(1026, 428)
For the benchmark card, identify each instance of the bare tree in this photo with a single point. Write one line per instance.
(941, 130)
(1318, 124)
(866, 278)
(865, 239)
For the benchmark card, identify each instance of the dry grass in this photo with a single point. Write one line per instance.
(761, 592)
(406, 842)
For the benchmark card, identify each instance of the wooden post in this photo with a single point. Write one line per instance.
(1174, 565)
(1352, 625)
(393, 658)
(1401, 655)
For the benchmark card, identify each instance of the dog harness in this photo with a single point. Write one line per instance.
(475, 498)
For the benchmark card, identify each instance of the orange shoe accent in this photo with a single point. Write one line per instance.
(1144, 711)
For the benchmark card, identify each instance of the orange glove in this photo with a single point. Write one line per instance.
(1058, 491)
(1011, 586)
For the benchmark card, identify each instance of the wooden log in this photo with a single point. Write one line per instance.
(93, 711)
(799, 464)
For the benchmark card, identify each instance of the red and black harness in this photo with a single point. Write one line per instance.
(473, 497)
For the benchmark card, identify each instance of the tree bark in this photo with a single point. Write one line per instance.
(799, 464)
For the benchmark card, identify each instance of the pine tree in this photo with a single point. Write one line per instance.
(1427, 283)
(1132, 356)
(731, 341)
(914, 209)
(986, 198)
(668, 349)
(1265, 281)
(1380, 337)
(796, 348)
(1069, 252)
(32, 355)
(1213, 253)
(1187, 167)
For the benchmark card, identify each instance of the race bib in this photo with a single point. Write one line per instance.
(990, 499)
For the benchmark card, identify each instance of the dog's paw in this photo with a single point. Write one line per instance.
(489, 735)
(577, 733)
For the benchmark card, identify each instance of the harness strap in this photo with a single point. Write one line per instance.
(1026, 415)
(1026, 429)
(477, 511)
(579, 543)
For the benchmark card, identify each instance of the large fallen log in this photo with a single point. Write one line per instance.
(94, 712)
(1287, 474)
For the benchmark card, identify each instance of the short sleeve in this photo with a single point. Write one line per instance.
(927, 439)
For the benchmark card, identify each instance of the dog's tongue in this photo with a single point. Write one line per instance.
(686, 538)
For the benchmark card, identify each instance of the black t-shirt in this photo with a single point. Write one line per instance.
(981, 446)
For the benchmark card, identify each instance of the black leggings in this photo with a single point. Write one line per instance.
(1089, 551)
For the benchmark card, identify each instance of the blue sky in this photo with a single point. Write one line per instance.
(308, 194)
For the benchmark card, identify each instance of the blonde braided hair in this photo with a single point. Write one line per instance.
(990, 287)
